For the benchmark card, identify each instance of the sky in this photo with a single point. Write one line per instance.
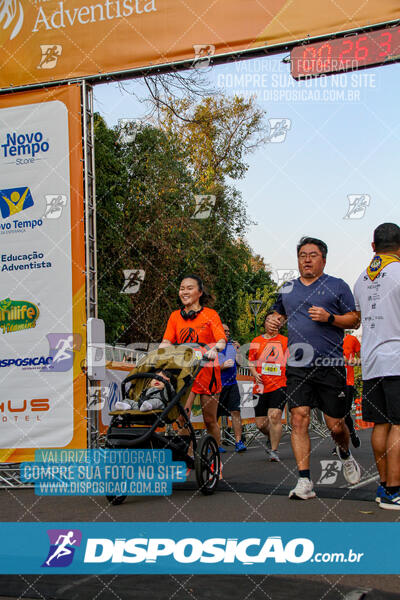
(339, 142)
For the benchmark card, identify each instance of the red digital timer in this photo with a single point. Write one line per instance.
(346, 54)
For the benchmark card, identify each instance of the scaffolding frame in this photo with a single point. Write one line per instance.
(89, 186)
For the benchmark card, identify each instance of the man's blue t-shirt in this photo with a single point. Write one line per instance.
(310, 339)
(228, 376)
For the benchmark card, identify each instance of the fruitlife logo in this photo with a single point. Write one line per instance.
(16, 315)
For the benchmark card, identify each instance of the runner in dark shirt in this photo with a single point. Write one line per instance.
(318, 308)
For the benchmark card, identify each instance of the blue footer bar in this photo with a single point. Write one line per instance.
(215, 548)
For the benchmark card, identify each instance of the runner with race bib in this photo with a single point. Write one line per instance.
(267, 356)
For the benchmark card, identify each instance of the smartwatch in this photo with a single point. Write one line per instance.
(331, 319)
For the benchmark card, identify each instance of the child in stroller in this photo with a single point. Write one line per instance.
(178, 366)
(152, 398)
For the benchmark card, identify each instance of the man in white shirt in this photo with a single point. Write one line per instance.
(377, 297)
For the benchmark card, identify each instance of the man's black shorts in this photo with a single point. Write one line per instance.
(229, 400)
(381, 400)
(318, 387)
(275, 399)
(350, 396)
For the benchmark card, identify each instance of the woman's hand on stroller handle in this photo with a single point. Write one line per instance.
(211, 354)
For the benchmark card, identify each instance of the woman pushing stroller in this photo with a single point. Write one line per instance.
(199, 325)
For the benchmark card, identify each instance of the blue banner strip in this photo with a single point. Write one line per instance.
(213, 548)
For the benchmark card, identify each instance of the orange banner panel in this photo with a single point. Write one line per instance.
(73, 394)
(53, 40)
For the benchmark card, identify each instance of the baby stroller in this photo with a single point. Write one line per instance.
(136, 429)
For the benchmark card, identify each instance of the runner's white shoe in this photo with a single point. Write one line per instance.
(303, 490)
(274, 456)
(351, 468)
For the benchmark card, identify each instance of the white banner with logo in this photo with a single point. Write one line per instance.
(36, 327)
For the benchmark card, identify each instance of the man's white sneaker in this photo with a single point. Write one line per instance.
(303, 490)
(351, 469)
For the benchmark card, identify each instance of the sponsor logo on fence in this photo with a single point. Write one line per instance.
(16, 315)
(27, 144)
(19, 410)
(62, 349)
(15, 200)
(27, 362)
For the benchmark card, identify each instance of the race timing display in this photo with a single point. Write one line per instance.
(346, 54)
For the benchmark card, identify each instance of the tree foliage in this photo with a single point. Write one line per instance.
(217, 133)
(146, 201)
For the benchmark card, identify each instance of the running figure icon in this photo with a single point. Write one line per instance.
(62, 542)
(65, 349)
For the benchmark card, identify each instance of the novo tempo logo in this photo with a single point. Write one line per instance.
(15, 200)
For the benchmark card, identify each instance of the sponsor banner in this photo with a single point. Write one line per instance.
(214, 548)
(43, 41)
(42, 310)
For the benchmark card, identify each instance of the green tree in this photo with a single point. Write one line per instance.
(245, 322)
(218, 133)
(146, 201)
(144, 194)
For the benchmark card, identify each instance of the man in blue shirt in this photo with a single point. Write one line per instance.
(229, 398)
(318, 309)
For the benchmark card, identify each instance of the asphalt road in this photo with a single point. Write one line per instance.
(252, 490)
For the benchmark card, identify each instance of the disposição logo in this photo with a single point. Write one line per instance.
(16, 315)
(63, 543)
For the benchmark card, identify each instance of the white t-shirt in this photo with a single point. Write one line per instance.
(379, 303)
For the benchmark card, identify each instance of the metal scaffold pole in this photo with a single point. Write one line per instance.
(90, 245)
(90, 199)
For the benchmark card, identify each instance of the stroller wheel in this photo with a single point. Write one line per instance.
(207, 465)
(115, 500)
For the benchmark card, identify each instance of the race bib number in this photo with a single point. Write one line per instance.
(270, 369)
